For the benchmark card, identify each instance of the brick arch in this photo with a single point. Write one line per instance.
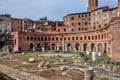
(69, 47)
(93, 48)
(31, 46)
(99, 47)
(53, 46)
(77, 46)
(46, 46)
(38, 46)
(84, 46)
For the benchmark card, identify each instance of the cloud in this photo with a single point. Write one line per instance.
(54, 9)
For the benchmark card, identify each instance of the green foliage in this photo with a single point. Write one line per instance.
(5, 77)
(118, 63)
(104, 58)
(103, 78)
(38, 57)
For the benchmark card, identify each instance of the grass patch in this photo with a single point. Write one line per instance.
(38, 57)
(103, 78)
(5, 77)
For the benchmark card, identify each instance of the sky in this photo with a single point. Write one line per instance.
(53, 9)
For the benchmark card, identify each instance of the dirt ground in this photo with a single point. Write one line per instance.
(21, 62)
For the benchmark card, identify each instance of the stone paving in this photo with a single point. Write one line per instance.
(19, 75)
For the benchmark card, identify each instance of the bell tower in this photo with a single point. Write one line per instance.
(92, 5)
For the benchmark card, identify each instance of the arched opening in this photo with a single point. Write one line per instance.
(53, 46)
(46, 46)
(31, 46)
(20, 48)
(69, 47)
(84, 46)
(1, 45)
(105, 48)
(92, 47)
(38, 46)
(77, 46)
(99, 47)
(60, 48)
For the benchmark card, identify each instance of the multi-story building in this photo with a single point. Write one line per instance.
(96, 30)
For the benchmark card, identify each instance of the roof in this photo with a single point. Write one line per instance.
(105, 8)
(77, 13)
(17, 18)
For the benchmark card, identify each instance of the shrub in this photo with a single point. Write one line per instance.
(103, 78)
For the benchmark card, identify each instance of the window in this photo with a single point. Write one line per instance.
(31, 38)
(72, 18)
(99, 37)
(96, 37)
(82, 23)
(15, 41)
(52, 39)
(86, 29)
(49, 39)
(92, 37)
(102, 36)
(61, 39)
(57, 39)
(82, 29)
(68, 38)
(45, 38)
(34, 38)
(89, 23)
(65, 39)
(79, 16)
(21, 27)
(99, 26)
(72, 38)
(72, 30)
(76, 38)
(41, 38)
(64, 30)
(98, 12)
(85, 23)
(79, 24)
(38, 39)
(72, 24)
(85, 37)
(79, 29)
(89, 14)
(88, 37)
(27, 38)
(82, 15)
(58, 30)
(19, 48)
(97, 22)
(105, 24)
(80, 38)
(38, 28)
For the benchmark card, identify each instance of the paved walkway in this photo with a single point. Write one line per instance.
(19, 75)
